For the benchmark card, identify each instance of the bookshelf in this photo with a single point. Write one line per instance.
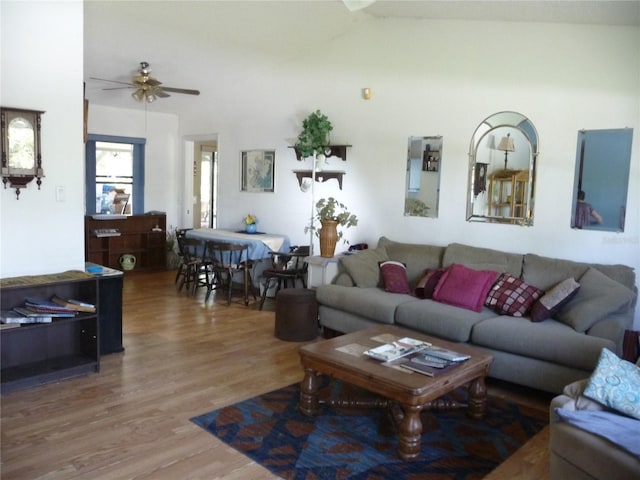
(34, 354)
(137, 237)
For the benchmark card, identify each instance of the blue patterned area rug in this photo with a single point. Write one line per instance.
(270, 430)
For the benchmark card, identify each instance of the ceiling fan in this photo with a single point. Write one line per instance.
(147, 88)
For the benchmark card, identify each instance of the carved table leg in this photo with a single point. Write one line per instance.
(309, 392)
(477, 398)
(409, 434)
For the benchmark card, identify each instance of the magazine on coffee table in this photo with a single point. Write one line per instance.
(398, 349)
(426, 365)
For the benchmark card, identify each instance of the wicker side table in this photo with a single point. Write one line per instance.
(296, 315)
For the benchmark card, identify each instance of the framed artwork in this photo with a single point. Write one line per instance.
(258, 171)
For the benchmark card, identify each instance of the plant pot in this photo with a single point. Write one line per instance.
(251, 228)
(173, 260)
(328, 238)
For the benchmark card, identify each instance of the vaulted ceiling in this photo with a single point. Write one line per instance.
(204, 45)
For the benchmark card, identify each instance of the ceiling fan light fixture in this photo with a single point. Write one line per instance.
(138, 95)
(150, 97)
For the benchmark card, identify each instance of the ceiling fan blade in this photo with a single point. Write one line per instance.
(120, 88)
(181, 90)
(159, 93)
(112, 81)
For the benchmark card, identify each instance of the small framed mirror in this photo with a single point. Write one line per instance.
(424, 161)
(601, 183)
(502, 170)
(21, 157)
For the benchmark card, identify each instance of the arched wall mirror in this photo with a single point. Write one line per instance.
(601, 179)
(424, 160)
(502, 168)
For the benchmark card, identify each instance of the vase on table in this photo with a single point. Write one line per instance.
(251, 228)
(328, 238)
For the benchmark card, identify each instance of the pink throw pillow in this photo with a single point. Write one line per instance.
(394, 277)
(464, 287)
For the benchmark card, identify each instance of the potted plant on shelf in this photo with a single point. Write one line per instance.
(331, 214)
(313, 140)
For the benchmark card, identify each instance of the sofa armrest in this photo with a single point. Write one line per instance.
(573, 399)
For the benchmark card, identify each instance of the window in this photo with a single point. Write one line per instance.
(114, 175)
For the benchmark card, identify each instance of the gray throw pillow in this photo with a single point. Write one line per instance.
(598, 297)
(364, 266)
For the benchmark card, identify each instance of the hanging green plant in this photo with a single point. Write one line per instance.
(314, 136)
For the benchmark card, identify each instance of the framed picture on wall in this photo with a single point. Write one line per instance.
(258, 171)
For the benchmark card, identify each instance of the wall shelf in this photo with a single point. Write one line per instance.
(321, 176)
(336, 151)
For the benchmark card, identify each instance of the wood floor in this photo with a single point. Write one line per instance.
(182, 358)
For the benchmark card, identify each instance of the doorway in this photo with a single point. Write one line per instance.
(205, 185)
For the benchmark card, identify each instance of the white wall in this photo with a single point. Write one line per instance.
(42, 70)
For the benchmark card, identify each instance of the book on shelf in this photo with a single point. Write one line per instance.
(106, 232)
(398, 349)
(74, 304)
(44, 305)
(15, 317)
(35, 312)
(426, 365)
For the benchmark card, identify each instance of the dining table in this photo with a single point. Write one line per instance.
(260, 245)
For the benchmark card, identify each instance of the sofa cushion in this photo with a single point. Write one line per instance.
(394, 277)
(439, 319)
(511, 296)
(372, 303)
(427, 284)
(548, 340)
(616, 384)
(598, 297)
(464, 287)
(364, 268)
(545, 272)
(483, 259)
(553, 300)
(417, 257)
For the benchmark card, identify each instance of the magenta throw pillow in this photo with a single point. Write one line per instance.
(427, 284)
(464, 287)
(511, 296)
(394, 277)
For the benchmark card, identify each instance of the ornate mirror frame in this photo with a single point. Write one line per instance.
(502, 170)
(21, 157)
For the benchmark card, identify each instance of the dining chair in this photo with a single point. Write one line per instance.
(229, 260)
(180, 236)
(285, 268)
(196, 266)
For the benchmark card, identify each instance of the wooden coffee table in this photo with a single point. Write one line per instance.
(341, 358)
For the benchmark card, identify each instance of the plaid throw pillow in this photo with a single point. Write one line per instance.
(511, 296)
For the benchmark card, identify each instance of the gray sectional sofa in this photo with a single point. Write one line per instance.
(546, 355)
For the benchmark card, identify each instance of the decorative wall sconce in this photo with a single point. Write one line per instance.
(21, 158)
(366, 93)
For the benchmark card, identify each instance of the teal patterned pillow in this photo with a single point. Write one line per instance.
(616, 384)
